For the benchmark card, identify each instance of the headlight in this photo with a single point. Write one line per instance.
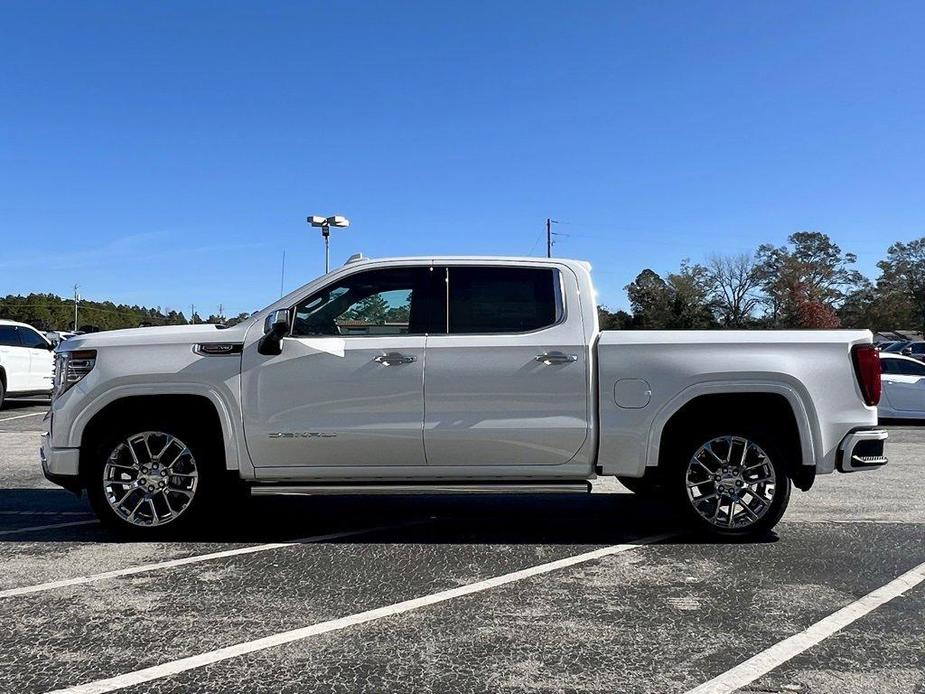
(71, 367)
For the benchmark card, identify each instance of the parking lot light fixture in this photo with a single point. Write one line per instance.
(325, 224)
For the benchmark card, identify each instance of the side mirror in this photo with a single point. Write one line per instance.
(275, 327)
(906, 351)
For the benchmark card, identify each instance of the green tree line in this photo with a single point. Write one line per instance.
(52, 312)
(809, 282)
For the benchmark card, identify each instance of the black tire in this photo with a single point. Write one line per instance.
(207, 462)
(2, 393)
(642, 486)
(739, 503)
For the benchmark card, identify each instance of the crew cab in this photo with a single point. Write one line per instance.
(25, 361)
(456, 374)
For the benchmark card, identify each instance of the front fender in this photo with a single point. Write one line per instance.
(224, 403)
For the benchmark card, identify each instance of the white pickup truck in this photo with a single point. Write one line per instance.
(456, 374)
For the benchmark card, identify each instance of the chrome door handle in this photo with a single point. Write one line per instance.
(555, 358)
(393, 358)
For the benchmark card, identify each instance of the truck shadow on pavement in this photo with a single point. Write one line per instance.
(504, 519)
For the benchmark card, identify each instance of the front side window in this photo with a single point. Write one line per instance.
(32, 339)
(9, 336)
(375, 303)
(502, 299)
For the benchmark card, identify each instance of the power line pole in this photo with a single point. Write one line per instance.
(192, 313)
(220, 314)
(549, 223)
(76, 301)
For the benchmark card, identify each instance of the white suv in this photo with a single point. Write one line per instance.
(26, 361)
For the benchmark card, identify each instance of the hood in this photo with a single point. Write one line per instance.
(162, 335)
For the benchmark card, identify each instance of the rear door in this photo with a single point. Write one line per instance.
(14, 359)
(507, 384)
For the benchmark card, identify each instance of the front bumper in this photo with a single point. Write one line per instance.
(862, 450)
(60, 465)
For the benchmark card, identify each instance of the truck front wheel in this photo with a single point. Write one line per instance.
(151, 478)
(732, 484)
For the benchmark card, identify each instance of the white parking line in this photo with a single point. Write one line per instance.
(197, 661)
(46, 513)
(33, 528)
(81, 580)
(762, 663)
(21, 416)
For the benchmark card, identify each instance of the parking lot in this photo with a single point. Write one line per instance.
(583, 593)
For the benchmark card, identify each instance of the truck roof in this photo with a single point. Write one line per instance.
(359, 258)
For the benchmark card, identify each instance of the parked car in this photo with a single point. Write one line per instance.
(903, 387)
(26, 361)
(56, 337)
(887, 346)
(456, 375)
(916, 350)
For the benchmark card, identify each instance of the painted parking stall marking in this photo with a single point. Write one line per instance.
(770, 658)
(197, 661)
(53, 526)
(21, 416)
(173, 563)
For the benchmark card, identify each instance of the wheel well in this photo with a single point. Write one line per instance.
(767, 410)
(184, 408)
(3, 376)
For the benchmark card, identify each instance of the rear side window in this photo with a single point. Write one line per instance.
(9, 336)
(890, 366)
(502, 299)
(910, 368)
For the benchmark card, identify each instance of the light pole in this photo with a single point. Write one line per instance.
(325, 223)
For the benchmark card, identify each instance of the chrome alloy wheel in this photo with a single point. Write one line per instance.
(731, 482)
(150, 478)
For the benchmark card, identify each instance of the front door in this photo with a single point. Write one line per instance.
(508, 382)
(348, 387)
(41, 360)
(904, 384)
(15, 360)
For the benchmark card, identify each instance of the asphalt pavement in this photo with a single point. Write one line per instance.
(603, 592)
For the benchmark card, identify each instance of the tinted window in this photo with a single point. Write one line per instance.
(378, 302)
(918, 347)
(910, 368)
(32, 339)
(502, 299)
(9, 336)
(890, 366)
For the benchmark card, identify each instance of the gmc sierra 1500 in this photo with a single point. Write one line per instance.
(456, 374)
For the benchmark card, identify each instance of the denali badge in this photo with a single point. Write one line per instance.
(300, 435)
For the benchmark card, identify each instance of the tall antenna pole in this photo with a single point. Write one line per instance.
(76, 301)
(282, 274)
(192, 313)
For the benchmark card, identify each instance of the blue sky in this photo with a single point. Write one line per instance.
(167, 153)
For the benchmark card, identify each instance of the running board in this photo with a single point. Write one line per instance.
(425, 488)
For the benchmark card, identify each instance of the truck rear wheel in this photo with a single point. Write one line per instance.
(731, 483)
(151, 478)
